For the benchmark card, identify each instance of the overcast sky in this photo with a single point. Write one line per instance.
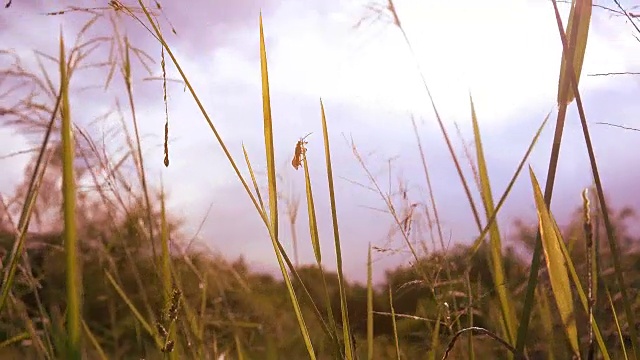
(506, 53)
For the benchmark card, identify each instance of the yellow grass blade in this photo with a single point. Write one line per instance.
(346, 327)
(497, 268)
(555, 261)
(311, 210)
(577, 33)
(273, 194)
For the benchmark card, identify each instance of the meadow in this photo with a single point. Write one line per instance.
(113, 277)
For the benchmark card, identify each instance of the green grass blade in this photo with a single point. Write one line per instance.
(395, 326)
(346, 327)
(74, 281)
(311, 210)
(273, 194)
(480, 239)
(133, 310)
(268, 136)
(14, 340)
(499, 278)
(315, 243)
(556, 267)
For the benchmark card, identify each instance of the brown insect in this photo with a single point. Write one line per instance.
(299, 152)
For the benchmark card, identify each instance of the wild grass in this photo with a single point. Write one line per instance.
(124, 298)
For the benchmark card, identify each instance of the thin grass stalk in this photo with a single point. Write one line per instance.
(126, 73)
(471, 355)
(73, 266)
(14, 339)
(344, 310)
(588, 234)
(167, 283)
(432, 199)
(615, 254)
(39, 346)
(616, 320)
(477, 330)
(465, 186)
(147, 327)
(253, 178)
(435, 209)
(435, 337)
(393, 322)
(94, 341)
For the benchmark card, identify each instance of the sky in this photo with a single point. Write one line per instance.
(504, 53)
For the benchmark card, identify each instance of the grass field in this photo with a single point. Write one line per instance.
(116, 279)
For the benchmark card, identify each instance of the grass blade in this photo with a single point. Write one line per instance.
(273, 194)
(578, 31)
(346, 327)
(619, 330)
(613, 243)
(133, 309)
(506, 306)
(556, 267)
(479, 240)
(311, 210)
(74, 282)
(393, 322)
